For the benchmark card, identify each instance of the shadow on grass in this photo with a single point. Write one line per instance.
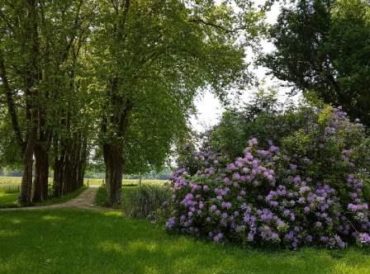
(76, 241)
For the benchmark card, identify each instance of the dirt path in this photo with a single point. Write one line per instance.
(85, 200)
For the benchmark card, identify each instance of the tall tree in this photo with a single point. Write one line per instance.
(323, 46)
(20, 73)
(151, 59)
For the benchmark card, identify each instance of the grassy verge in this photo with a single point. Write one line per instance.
(76, 241)
(101, 197)
(9, 199)
(128, 189)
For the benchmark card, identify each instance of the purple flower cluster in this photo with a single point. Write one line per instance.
(272, 197)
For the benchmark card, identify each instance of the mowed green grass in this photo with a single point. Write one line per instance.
(8, 199)
(76, 241)
(9, 189)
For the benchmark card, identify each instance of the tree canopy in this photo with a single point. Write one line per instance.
(322, 46)
(119, 75)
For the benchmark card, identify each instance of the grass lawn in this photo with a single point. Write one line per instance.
(9, 192)
(8, 199)
(76, 241)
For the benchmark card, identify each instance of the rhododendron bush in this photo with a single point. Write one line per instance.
(308, 191)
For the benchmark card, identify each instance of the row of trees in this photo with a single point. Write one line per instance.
(117, 78)
(40, 70)
(117, 74)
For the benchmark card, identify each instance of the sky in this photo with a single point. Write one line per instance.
(209, 109)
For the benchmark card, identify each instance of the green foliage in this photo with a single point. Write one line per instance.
(330, 148)
(150, 59)
(367, 190)
(323, 47)
(8, 199)
(309, 190)
(120, 72)
(129, 186)
(147, 201)
(263, 118)
(303, 132)
(9, 150)
(101, 196)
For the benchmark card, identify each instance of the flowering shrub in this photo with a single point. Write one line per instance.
(307, 192)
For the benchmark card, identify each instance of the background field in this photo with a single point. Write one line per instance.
(10, 186)
(16, 181)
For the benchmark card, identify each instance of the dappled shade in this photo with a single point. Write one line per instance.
(85, 242)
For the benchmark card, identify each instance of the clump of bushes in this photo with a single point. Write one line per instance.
(309, 190)
(101, 196)
(147, 201)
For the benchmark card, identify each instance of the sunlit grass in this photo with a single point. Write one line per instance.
(75, 241)
(5, 180)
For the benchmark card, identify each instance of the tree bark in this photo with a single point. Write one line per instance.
(31, 77)
(41, 174)
(69, 164)
(113, 172)
(58, 177)
(26, 184)
(12, 110)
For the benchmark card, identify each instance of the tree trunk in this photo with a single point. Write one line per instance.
(41, 174)
(31, 77)
(26, 184)
(82, 162)
(58, 177)
(113, 172)
(69, 164)
(68, 176)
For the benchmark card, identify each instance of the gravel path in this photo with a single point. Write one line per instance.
(85, 200)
